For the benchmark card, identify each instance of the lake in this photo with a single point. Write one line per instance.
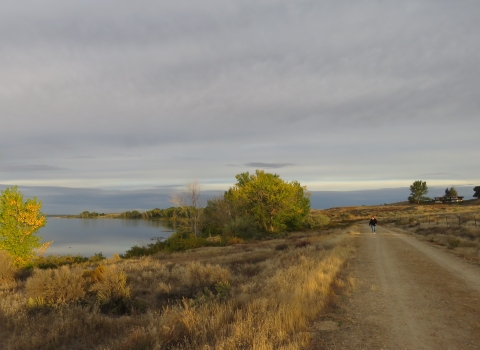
(108, 236)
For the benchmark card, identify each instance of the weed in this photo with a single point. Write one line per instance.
(316, 220)
(223, 289)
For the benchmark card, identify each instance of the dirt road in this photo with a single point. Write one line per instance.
(409, 295)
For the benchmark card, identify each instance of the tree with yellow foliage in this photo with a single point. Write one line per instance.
(273, 203)
(19, 221)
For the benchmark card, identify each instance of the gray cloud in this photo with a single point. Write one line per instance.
(121, 94)
(28, 167)
(260, 165)
(446, 175)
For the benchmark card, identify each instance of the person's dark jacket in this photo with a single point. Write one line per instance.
(373, 222)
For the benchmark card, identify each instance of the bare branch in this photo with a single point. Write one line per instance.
(189, 202)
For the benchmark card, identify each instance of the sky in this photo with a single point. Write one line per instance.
(103, 97)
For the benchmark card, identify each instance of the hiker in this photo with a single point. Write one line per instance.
(373, 223)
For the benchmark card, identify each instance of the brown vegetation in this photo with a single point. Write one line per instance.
(258, 295)
(7, 267)
(455, 226)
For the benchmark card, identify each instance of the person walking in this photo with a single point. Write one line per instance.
(373, 224)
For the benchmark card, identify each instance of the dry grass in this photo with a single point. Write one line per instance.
(405, 211)
(248, 296)
(59, 286)
(110, 284)
(463, 240)
(7, 267)
(456, 226)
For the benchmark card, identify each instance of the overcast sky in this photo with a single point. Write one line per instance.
(339, 95)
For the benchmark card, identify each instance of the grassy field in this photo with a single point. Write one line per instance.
(455, 226)
(256, 295)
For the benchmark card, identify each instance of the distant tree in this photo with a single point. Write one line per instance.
(452, 192)
(476, 189)
(188, 203)
(19, 221)
(418, 191)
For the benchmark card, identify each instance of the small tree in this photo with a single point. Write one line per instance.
(189, 204)
(418, 191)
(452, 192)
(476, 189)
(19, 221)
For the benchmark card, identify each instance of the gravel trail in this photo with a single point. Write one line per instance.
(409, 295)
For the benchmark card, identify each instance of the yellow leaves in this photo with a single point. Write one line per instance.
(19, 221)
(41, 250)
(30, 215)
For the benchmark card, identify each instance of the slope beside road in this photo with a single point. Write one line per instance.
(409, 295)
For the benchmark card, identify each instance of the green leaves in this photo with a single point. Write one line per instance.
(418, 191)
(451, 192)
(476, 189)
(275, 205)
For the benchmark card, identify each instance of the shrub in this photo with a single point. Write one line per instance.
(107, 289)
(243, 227)
(223, 289)
(453, 243)
(200, 276)
(235, 240)
(177, 243)
(57, 286)
(52, 261)
(316, 220)
(97, 257)
(109, 284)
(95, 275)
(7, 266)
(282, 246)
(302, 243)
(149, 249)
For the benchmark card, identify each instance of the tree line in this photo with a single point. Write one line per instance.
(419, 190)
(257, 203)
(256, 206)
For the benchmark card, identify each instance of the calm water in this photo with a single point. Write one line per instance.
(108, 236)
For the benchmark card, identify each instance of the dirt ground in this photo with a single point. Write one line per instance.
(408, 295)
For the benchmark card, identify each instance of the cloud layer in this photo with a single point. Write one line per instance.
(337, 95)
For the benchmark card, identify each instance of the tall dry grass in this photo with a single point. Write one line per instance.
(56, 286)
(7, 267)
(248, 296)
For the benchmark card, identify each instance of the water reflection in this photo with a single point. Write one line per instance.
(109, 236)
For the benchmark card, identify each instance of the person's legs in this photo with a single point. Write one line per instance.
(373, 228)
